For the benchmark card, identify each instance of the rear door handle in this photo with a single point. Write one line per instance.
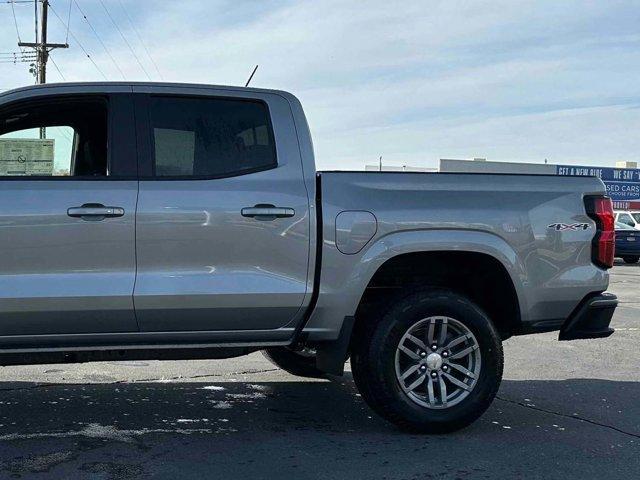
(265, 211)
(95, 212)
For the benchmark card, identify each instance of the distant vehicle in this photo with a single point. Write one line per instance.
(166, 221)
(627, 243)
(631, 219)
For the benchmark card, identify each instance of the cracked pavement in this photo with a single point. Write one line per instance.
(564, 410)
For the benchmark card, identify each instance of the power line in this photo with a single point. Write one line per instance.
(68, 21)
(35, 19)
(79, 44)
(15, 21)
(15, 54)
(13, 62)
(125, 39)
(99, 39)
(133, 26)
(57, 68)
(18, 56)
(16, 62)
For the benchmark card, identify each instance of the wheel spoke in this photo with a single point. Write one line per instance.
(461, 369)
(409, 372)
(417, 383)
(417, 341)
(409, 352)
(443, 332)
(443, 391)
(432, 331)
(463, 353)
(432, 397)
(456, 382)
(456, 341)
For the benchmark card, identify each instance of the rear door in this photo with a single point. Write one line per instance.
(223, 213)
(68, 194)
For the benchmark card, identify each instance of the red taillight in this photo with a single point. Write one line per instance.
(600, 209)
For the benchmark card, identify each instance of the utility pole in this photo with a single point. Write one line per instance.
(42, 48)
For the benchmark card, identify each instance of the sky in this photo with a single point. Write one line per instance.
(411, 81)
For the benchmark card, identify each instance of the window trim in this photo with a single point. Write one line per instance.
(107, 99)
(146, 147)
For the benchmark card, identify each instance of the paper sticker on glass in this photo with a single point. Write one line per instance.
(26, 157)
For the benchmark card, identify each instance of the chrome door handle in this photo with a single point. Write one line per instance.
(264, 211)
(95, 212)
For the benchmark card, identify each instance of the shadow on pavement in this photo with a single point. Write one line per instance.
(308, 429)
(620, 263)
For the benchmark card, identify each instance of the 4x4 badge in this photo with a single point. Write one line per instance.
(560, 227)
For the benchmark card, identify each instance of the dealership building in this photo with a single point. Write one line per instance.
(622, 181)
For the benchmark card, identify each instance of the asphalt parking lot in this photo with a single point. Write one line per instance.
(565, 410)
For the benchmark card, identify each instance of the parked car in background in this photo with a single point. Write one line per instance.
(627, 243)
(631, 219)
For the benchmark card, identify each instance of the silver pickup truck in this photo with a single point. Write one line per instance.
(167, 221)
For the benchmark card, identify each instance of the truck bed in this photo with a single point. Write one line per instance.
(503, 215)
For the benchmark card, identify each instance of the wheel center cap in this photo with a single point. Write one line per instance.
(434, 361)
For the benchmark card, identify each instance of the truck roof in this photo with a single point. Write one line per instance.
(97, 86)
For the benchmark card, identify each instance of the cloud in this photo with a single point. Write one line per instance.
(413, 81)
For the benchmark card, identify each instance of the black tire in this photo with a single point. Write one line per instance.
(295, 363)
(373, 362)
(631, 259)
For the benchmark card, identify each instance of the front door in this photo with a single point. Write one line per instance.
(67, 216)
(223, 216)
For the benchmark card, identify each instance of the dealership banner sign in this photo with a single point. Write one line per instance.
(623, 184)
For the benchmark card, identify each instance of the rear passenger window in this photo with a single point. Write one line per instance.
(210, 137)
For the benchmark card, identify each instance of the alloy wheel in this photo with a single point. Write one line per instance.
(438, 362)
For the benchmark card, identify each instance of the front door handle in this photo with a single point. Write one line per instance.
(95, 212)
(266, 211)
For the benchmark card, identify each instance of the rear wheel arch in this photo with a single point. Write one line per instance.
(481, 277)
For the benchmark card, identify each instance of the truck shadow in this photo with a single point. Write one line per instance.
(240, 429)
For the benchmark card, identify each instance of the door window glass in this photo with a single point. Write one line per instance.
(26, 152)
(55, 139)
(210, 137)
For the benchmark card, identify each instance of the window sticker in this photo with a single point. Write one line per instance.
(28, 157)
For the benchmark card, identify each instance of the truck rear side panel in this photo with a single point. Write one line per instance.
(509, 217)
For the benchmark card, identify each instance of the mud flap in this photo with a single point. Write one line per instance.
(331, 356)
